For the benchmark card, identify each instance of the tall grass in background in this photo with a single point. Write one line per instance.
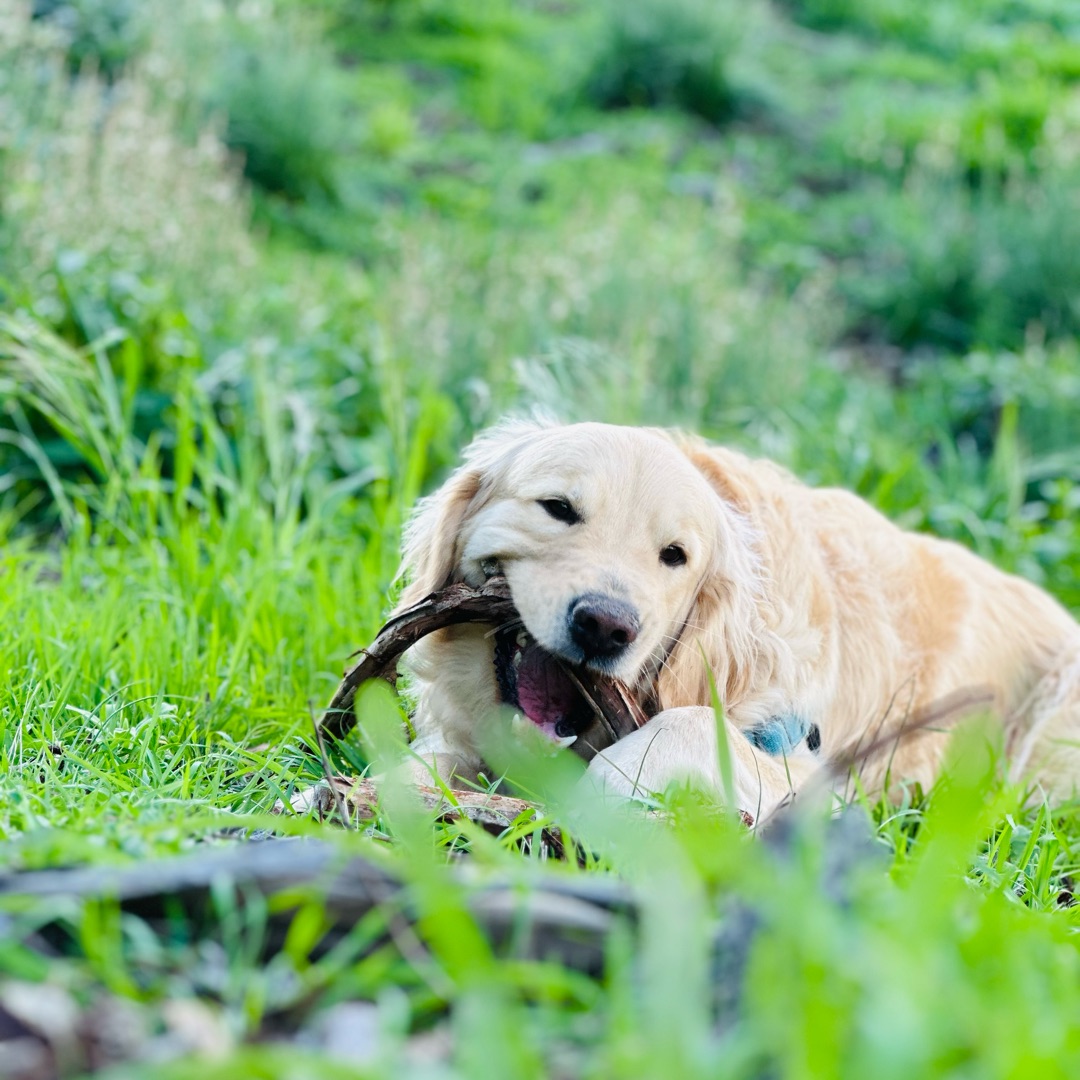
(632, 309)
(360, 380)
(182, 480)
(98, 178)
(158, 627)
(131, 240)
(624, 312)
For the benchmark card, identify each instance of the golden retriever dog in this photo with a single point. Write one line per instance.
(657, 558)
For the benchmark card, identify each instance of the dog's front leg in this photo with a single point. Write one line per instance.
(680, 746)
(455, 693)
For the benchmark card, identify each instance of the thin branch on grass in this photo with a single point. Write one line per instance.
(492, 812)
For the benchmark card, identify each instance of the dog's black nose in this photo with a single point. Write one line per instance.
(601, 626)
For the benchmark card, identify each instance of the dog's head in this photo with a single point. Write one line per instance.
(620, 552)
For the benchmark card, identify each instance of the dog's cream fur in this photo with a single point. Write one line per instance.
(803, 602)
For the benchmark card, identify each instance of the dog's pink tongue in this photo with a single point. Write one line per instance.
(546, 694)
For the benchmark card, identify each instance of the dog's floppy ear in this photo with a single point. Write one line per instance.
(432, 549)
(724, 622)
(728, 620)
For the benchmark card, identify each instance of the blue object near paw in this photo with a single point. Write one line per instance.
(779, 734)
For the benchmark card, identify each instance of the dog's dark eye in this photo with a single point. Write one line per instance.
(673, 555)
(561, 510)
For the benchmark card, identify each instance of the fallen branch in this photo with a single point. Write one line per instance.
(358, 800)
(565, 919)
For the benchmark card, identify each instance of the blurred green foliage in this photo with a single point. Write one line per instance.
(105, 35)
(672, 53)
(884, 239)
(995, 267)
(865, 275)
(285, 116)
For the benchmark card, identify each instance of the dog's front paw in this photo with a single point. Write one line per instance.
(676, 746)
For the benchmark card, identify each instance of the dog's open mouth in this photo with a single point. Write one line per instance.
(541, 686)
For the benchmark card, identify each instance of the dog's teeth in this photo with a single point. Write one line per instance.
(516, 659)
(522, 639)
(569, 740)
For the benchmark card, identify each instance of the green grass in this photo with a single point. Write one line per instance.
(211, 434)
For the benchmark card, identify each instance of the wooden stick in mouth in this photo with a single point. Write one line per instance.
(617, 710)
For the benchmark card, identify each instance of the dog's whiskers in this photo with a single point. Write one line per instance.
(665, 665)
(662, 663)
